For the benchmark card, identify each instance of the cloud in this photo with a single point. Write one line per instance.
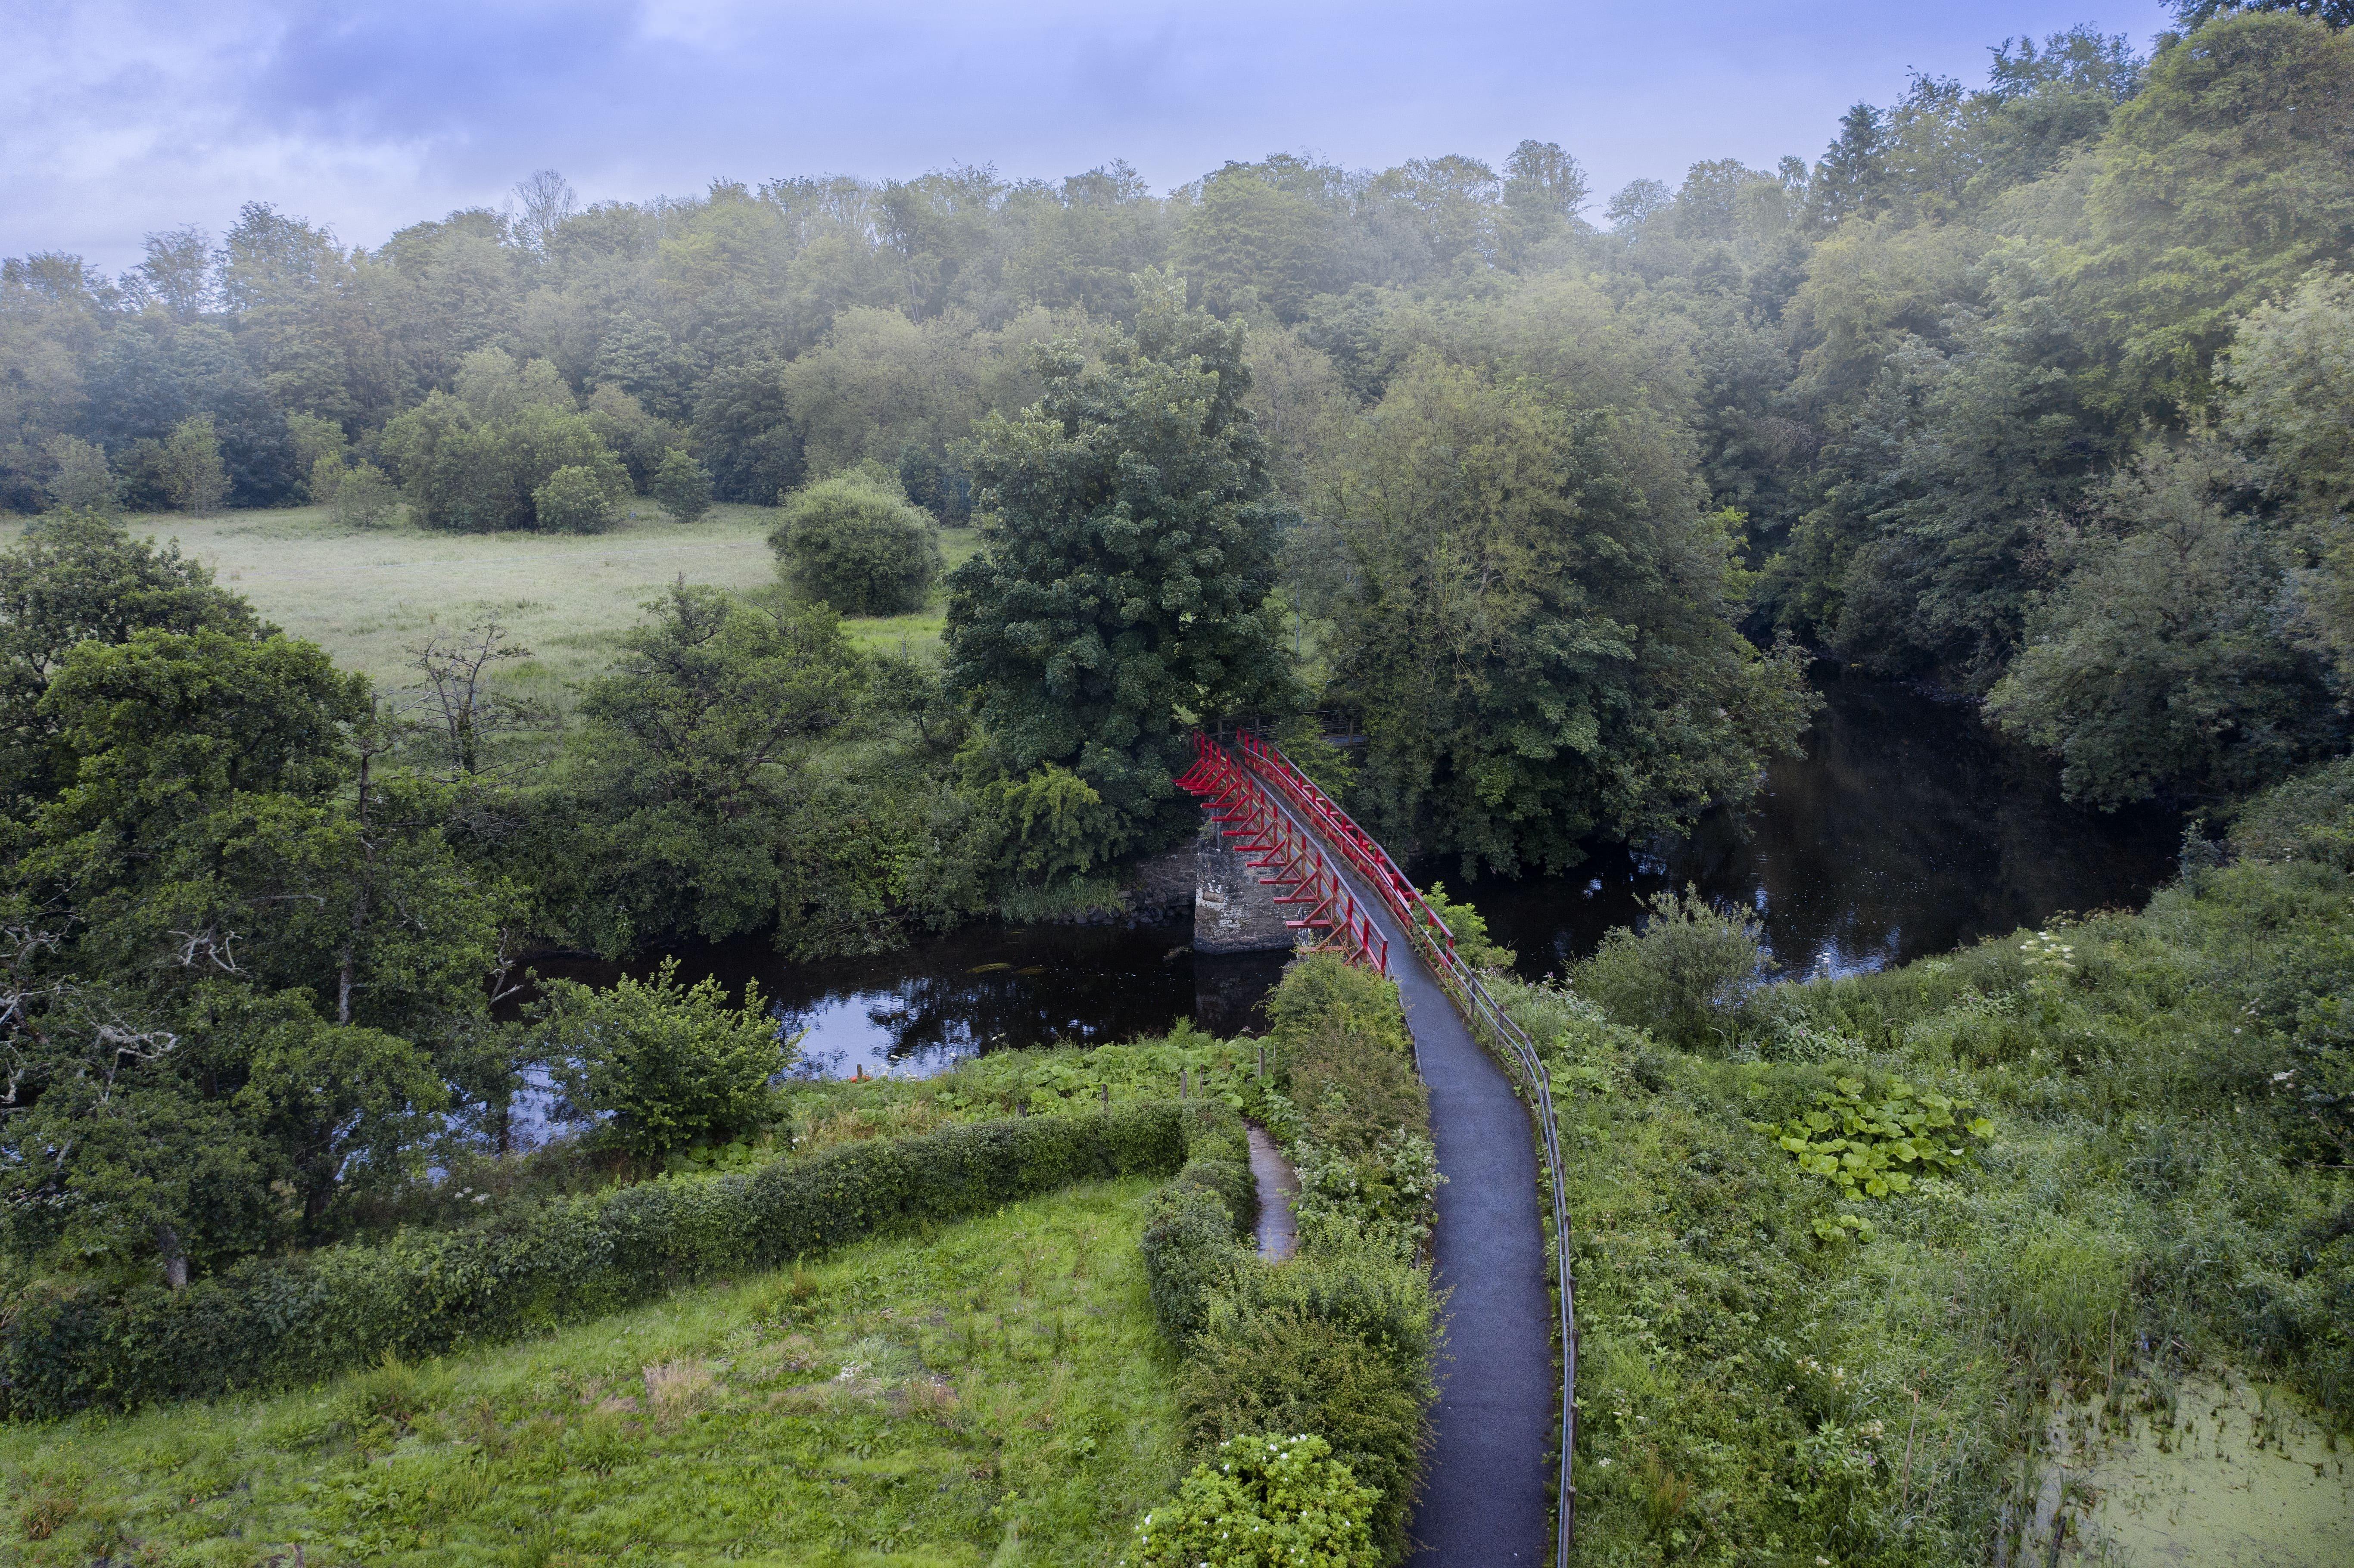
(137, 116)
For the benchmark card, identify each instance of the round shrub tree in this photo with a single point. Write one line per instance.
(858, 547)
(573, 501)
(682, 486)
(665, 1064)
(1274, 1499)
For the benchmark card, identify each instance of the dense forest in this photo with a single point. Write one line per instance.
(2034, 392)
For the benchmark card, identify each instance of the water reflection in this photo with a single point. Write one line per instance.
(1908, 828)
(925, 1007)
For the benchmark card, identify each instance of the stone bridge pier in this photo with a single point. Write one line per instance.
(1234, 912)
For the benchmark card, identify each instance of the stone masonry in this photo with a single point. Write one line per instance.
(1234, 912)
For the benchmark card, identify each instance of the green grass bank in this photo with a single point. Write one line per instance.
(991, 1392)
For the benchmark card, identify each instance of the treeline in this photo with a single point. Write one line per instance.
(2026, 391)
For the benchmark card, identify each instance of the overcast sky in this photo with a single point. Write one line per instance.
(131, 118)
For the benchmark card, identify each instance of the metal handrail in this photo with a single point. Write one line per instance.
(1431, 936)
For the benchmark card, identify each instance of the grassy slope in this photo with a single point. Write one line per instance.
(2150, 1209)
(993, 1393)
(368, 596)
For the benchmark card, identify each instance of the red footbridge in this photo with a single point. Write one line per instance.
(1494, 1249)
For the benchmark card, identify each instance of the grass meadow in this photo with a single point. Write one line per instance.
(369, 596)
(992, 1393)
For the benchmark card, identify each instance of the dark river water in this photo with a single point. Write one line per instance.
(1907, 829)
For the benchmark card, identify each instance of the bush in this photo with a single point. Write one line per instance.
(1190, 1252)
(1268, 1373)
(573, 501)
(363, 497)
(68, 1345)
(682, 486)
(670, 1067)
(856, 546)
(1263, 1500)
(1681, 976)
(1472, 943)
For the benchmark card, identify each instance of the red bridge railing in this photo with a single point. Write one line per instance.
(1503, 1038)
(1290, 860)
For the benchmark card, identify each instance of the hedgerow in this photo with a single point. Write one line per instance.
(68, 1344)
(1336, 1343)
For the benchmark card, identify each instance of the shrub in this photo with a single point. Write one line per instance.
(573, 501)
(1687, 969)
(669, 1065)
(1190, 1252)
(1284, 1369)
(1472, 943)
(1263, 1499)
(363, 497)
(856, 546)
(68, 1345)
(682, 486)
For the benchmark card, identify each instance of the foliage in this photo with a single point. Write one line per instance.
(364, 497)
(1523, 617)
(1008, 1347)
(1682, 974)
(1876, 1147)
(1472, 944)
(694, 745)
(855, 545)
(1339, 1341)
(2160, 664)
(681, 486)
(77, 576)
(481, 460)
(669, 1065)
(573, 501)
(1124, 580)
(272, 1322)
(1260, 1501)
(84, 481)
(2152, 1193)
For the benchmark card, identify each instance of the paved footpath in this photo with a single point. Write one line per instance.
(1486, 1495)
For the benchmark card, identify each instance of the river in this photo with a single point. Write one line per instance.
(1907, 829)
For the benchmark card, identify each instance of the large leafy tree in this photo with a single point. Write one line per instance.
(1538, 650)
(1122, 594)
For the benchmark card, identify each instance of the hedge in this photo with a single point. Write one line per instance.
(66, 1345)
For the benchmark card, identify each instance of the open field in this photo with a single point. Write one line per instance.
(994, 1392)
(368, 596)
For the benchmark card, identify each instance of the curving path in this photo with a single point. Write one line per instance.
(1488, 1486)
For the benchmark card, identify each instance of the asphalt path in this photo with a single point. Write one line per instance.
(1487, 1485)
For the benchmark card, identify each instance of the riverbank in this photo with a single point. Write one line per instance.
(1780, 1367)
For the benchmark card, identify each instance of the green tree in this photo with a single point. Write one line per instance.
(79, 577)
(363, 497)
(2159, 666)
(1122, 593)
(682, 486)
(1248, 242)
(194, 479)
(688, 767)
(82, 481)
(669, 1065)
(573, 501)
(2222, 182)
(1536, 652)
(854, 544)
(1681, 972)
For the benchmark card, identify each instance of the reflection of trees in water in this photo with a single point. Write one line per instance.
(955, 1014)
(1908, 828)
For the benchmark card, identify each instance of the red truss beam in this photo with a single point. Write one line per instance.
(1289, 860)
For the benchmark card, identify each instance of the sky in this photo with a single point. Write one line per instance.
(136, 117)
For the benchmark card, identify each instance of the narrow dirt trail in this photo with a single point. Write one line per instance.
(1486, 1487)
